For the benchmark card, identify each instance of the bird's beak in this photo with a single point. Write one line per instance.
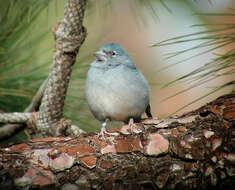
(100, 55)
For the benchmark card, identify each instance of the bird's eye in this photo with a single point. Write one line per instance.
(113, 53)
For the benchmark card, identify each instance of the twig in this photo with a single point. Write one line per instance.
(70, 35)
(10, 129)
(35, 103)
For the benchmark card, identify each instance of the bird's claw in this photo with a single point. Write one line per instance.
(104, 132)
(133, 128)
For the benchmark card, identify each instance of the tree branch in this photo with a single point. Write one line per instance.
(10, 129)
(69, 36)
(193, 151)
(35, 103)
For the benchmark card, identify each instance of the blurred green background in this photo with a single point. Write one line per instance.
(26, 50)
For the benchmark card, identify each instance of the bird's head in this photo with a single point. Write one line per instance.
(112, 54)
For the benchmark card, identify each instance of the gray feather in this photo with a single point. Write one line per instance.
(115, 88)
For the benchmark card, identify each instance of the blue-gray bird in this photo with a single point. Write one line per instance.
(115, 88)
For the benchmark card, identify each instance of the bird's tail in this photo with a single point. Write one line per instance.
(148, 111)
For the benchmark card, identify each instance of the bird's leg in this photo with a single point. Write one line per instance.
(131, 124)
(134, 127)
(104, 131)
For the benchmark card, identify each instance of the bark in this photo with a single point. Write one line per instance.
(69, 36)
(192, 151)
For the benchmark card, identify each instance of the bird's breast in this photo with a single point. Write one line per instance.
(117, 93)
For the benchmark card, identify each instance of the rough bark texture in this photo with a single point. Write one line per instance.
(193, 151)
(69, 36)
(15, 117)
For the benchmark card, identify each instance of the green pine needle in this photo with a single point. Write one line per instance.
(223, 65)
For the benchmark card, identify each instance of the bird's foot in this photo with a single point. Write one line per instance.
(132, 127)
(104, 132)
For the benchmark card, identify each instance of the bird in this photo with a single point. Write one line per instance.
(115, 89)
